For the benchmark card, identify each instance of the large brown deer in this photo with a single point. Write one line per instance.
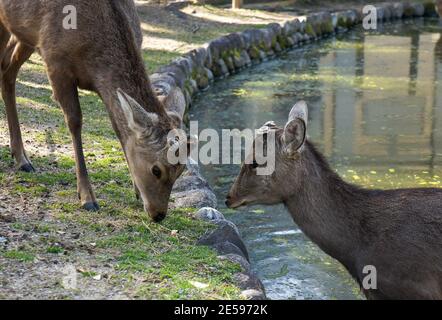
(102, 55)
(399, 232)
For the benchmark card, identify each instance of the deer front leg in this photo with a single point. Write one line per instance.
(16, 55)
(66, 93)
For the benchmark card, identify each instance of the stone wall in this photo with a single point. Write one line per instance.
(193, 191)
(229, 54)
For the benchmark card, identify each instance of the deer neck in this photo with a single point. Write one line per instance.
(327, 209)
(136, 84)
(123, 67)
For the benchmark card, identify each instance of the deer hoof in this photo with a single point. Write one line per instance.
(91, 206)
(27, 168)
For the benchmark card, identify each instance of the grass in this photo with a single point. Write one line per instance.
(137, 248)
(19, 255)
(147, 260)
(172, 34)
(154, 59)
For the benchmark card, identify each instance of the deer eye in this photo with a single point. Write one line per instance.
(156, 172)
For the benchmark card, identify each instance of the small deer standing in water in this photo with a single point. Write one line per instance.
(102, 55)
(399, 232)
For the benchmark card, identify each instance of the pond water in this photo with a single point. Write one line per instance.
(375, 102)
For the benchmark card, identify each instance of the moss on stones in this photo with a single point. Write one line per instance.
(309, 30)
(254, 52)
(283, 41)
(342, 21)
(430, 9)
(408, 11)
(327, 27)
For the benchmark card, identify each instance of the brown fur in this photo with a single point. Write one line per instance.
(102, 55)
(397, 231)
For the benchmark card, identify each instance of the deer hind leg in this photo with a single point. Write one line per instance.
(66, 93)
(12, 59)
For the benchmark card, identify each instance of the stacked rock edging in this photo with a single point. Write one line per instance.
(226, 240)
(193, 191)
(197, 69)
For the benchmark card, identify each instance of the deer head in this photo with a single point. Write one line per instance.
(252, 188)
(147, 150)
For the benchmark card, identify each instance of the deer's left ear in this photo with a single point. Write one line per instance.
(295, 131)
(139, 121)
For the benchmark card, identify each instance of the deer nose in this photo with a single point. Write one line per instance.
(159, 217)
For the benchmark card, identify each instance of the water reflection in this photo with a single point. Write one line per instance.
(395, 101)
(375, 111)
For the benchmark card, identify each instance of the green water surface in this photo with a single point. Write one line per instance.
(375, 103)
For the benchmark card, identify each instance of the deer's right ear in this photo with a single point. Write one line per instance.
(295, 131)
(299, 110)
(139, 121)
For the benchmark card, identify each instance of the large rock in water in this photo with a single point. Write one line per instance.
(238, 259)
(225, 234)
(226, 247)
(191, 190)
(249, 281)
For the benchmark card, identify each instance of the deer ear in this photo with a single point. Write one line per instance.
(138, 120)
(175, 102)
(294, 136)
(295, 131)
(299, 110)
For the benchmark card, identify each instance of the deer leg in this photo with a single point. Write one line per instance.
(10, 67)
(66, 93)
